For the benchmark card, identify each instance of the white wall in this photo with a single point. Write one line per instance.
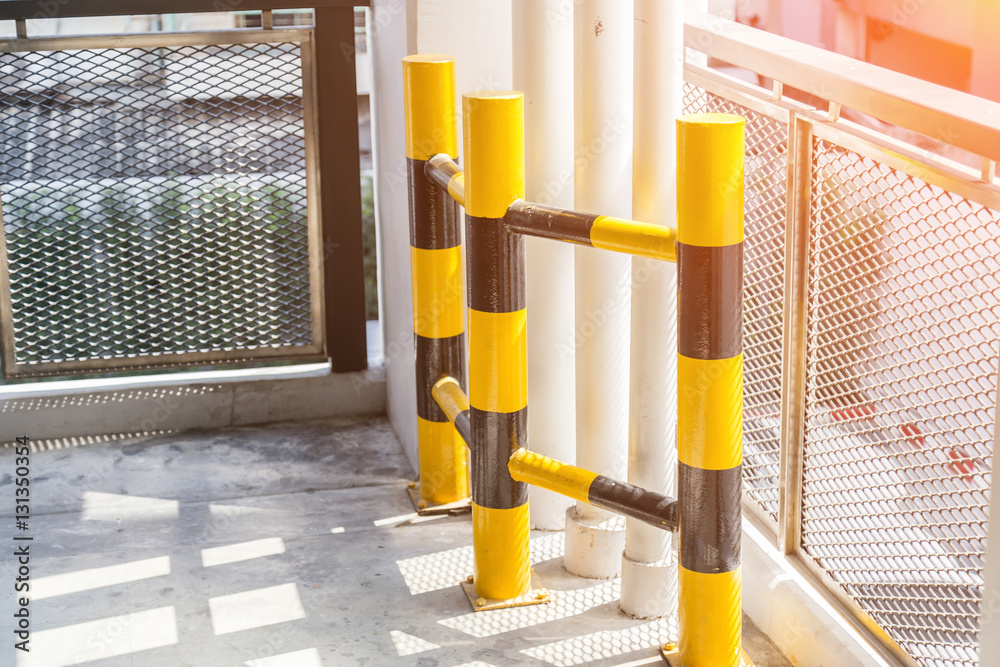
(389, 43)
(478, 34)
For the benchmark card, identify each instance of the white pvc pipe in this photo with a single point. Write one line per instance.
(603, 166)
(543, 71)
(649, 582)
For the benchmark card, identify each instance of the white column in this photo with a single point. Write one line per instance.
(543, 71)
(649, 577)
(603, 184)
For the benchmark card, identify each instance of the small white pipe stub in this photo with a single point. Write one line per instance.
(594, 545)
(652, 589)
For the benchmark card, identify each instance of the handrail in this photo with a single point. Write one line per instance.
(19, 10)
(631, 237)
(628, 500)
(951, 116)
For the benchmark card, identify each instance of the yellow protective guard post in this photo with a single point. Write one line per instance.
(710, 387)
(437, 312)
(494, 178)
(436, 272)
(498, 357)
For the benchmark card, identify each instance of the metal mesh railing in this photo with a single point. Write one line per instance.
(154, 202)
(764, 267)
(903, 331)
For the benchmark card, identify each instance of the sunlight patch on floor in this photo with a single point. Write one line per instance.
(305, 658)
(114, 507)
(409, 645)
(234, 553)
(103, 638)
(98, 577)
(256, 609)
(563, 605)
(443, 569)
(605, 644)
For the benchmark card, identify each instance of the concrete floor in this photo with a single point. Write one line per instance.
(325, 565)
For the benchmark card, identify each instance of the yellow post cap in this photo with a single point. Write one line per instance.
(431, 107)
(710, 165)
(494, 151)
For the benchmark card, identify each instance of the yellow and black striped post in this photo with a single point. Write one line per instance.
(710, 387)
(498, 388)
(436, 269)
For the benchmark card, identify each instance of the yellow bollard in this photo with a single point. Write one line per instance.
(494, 177)
(436, 266)
(710, 387)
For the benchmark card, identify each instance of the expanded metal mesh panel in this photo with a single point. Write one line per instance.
(763, 285)
(903, 327)
(154, 201)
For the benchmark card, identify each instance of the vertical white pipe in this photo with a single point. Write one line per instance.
(543, 71)
(603, 184)
(649, 581)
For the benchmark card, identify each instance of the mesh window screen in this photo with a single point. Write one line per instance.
(154, 201)
(903, 326)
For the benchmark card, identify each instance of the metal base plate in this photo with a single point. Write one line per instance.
(425, 508)
(671, 655)
(537, 594)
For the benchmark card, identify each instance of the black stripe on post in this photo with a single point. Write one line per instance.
(710, 302)
(439, 225)
(633, 501)
(437, 357)
(496, 277)
(492, 485)
(464, 428)
(711, 501)
(550, 223)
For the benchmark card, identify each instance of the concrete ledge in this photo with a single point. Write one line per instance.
(180, 404)
(804, 626)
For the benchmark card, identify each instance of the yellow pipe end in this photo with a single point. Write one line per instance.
(431, 106)
(541, 471)
(710, 165)
(494, 151)
(449, 395)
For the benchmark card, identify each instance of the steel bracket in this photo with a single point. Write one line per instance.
(424, 508)
(537, 594)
